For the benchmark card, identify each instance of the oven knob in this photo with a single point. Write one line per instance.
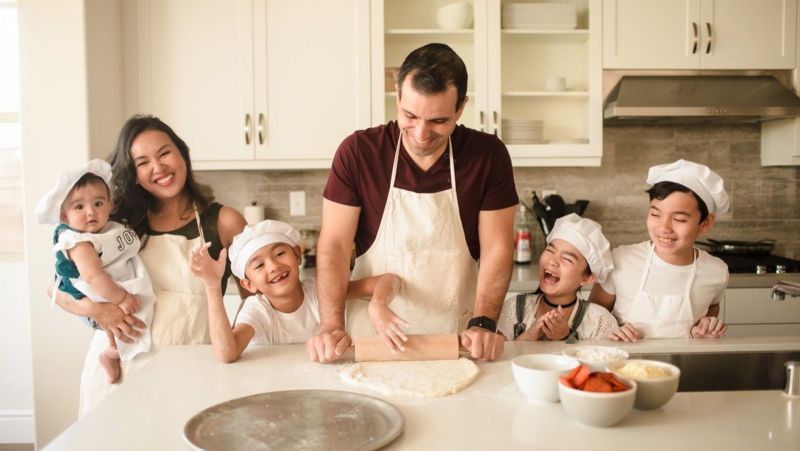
(761, 269)
(780, 269)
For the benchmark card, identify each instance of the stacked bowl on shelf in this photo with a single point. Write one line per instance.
(539, 16)
(522, 131)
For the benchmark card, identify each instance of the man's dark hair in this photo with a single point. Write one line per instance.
(661, 190)
(432, 67)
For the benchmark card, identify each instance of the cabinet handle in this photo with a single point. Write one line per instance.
(708, 47)
(694, 45)
(481, 120)
(247, 128)
(494, 122)
(260, 128)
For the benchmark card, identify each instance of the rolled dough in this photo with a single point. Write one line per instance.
(419, 378)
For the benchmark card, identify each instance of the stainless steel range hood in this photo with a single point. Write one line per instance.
(699, 97)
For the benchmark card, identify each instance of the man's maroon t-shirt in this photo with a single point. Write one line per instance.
(362, 169)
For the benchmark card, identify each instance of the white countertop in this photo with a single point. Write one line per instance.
(149, 411)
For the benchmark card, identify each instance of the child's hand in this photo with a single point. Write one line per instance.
(534, 333)
(627, 333)
(205, 267)
(709, 327)
(555, 324)
(388, 325)
(129, 304)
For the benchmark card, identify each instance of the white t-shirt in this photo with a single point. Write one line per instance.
(274, 327)
(597, 323)
(708, 288)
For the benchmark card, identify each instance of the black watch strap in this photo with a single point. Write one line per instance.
(484, 322)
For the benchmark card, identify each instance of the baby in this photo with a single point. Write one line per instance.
(95, 257)
(577, 254)
(266, 258)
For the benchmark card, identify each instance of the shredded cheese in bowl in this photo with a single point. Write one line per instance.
(639, 370)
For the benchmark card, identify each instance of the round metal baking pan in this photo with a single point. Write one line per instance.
(296, 419)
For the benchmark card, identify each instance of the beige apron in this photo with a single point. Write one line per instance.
(663, 316)
(180, 314)
(421, 239)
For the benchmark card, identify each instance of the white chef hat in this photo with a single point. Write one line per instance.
(48, 209)
(587, 236)
(697, 177)
(256, 236)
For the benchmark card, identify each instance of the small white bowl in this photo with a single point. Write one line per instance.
(596, 357)
(598, 409)
(652, 392)
(455, 16)
(537, 374)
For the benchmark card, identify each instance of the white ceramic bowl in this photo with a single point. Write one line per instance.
(537, 374)
(455, 16)
(596, 357)
(652, 392)
(598, 409)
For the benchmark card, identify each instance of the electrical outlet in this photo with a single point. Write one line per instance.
(297, 203)
(548, 192)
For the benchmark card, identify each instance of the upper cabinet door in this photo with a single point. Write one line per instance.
(651, 34)
(748, 34)
(312, 76)
(699, 34)
(195, 65)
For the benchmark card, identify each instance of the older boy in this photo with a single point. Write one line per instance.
(665, 287)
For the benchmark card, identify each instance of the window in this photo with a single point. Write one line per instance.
(11, 247)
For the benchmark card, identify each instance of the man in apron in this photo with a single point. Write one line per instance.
(665, 287)
(424, 199)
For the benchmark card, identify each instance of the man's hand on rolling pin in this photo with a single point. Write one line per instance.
(328, 344)
(388, 325)
(483, 344)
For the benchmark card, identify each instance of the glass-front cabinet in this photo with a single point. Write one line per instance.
(534, 69)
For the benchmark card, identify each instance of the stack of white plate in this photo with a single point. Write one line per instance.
(522, 131)
(539, 15)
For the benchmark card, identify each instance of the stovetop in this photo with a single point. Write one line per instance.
(745, 264)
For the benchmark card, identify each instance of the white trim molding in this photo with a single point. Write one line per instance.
(16, 426)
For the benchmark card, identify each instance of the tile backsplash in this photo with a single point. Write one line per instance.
(765, 201)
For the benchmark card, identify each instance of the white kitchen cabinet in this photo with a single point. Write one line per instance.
(752, 312)
(253, 84)
(507, 73)
(699, 34)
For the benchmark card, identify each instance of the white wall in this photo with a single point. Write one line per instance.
(59, 130)
(16, 379)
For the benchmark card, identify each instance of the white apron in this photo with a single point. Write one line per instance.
(663, 316)
(180, 315)
(421, 239)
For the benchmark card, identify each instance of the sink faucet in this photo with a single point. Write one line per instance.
(782, 288)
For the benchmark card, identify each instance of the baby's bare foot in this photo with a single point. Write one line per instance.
(109, 360)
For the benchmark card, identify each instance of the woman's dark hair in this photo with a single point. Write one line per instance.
(131, 200)
(432, 67)
(661, 190)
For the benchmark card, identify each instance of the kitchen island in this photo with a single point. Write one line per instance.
(149, 411)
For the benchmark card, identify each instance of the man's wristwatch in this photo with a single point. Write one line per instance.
(483, 322)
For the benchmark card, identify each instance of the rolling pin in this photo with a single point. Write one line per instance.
(418, 347)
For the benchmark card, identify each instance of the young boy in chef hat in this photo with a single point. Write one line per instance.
(665, 287)
(266, 259)
(577, 254)
(95, 257)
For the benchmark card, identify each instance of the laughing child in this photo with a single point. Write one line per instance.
(577, 254)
